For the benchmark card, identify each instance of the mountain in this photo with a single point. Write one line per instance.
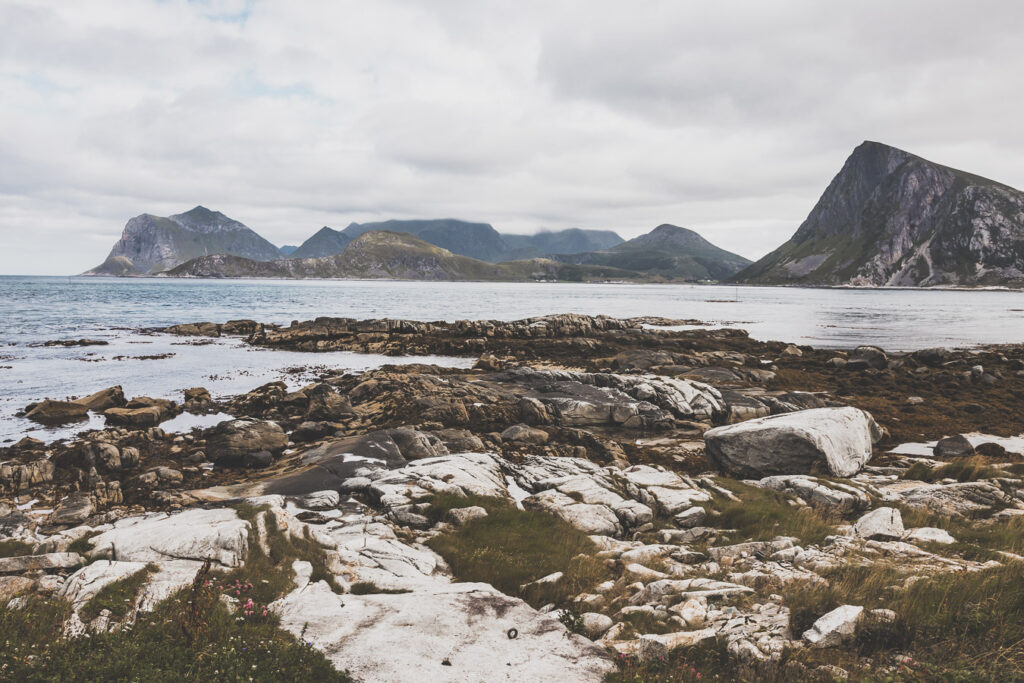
(287, 249)
(570, 241)
(382, 254)
(668, 252)
(151, 244)
(890, 218)
(476, 240)
(326, 242)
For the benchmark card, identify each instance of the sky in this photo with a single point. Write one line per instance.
(726, 117)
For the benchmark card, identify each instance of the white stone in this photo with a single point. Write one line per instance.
(835, 627)
(881, 523)
(927, 534)
(837, 439)
(409, 638)
(595, 624)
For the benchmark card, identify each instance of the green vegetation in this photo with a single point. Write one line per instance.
(763, 514)
(510, 547)
(82, 545)
(965, 469)
(156, 648)
(12, 548)
(117, 596)
(369, 588)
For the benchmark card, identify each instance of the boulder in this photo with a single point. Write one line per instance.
(836, 441)
(835, 627)
(228, 443)
(326, 404)
(111, 397)
(49, 412)
(524, 434)
(319, 500)
(74, 509)
(462, 516)
(927, 534)
(45, 563)
(881, 524)
(865, 357)
(595, 624)
(138, 418)
(953, 447)
(450, 632)
(17, 476)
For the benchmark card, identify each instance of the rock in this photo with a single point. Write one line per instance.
(864, 357)
(991, 449)
(196, 534)
(416, 445)
(450, 632)
(462, 516)
(524, 434)
(15, 476)
(13, 586)
(690, 517)
(46, 562)
(27, 443)
(111, 397)
(825, 494)
(49, 412)
(834, 440)
(595, 624)
(882, 523)
(656, 647)
(327, 404)
(914, 400)
(74, 509)
(228, 443)
(258, 460)
(489, 362)
(933, 357)
(590, 519)
(927, 534)
(164, 476)
(792, 351)
(319, 500)
(836, 363)
(139, 418)
(953, 447)
(693, 612)
(834, 628)
(962, 499)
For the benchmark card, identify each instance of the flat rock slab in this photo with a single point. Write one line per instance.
(47, 562)
(830, 440)
(197, 535)
(458, 633)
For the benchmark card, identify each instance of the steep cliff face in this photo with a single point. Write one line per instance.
(890, 218)
(151, 244)
(669, 252)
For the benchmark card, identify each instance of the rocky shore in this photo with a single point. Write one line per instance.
(596, 499)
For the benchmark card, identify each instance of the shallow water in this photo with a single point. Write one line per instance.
(37, 309)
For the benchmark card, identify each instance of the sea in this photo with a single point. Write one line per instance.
(34, 310)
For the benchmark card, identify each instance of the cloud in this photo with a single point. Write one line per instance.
(726, 117)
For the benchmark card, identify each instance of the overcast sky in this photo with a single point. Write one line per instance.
(726, 117)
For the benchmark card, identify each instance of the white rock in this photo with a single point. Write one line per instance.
(881, 523)
(835, 627)
(463, 516)
(836, 439)
(927, 534)
(455, 632)
(693, 612)
(319, 500)
(197, 534)
(595, 624)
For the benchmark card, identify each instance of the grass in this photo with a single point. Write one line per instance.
(156, 648)
(369, 588)
(510, 547)
(117, 596)
(763, 514)
(978, 540)
(954, 626)
(12, 548)
(82, 545)
(974, 468)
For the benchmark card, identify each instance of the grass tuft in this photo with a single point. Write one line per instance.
(117, 596)
(974, 468)
(763, 514)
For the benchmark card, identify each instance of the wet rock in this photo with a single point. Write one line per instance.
(865, 357)
(833, 440)
(138, 418)
(76, 342)
(312, 431)
(883, 523)
(835, 627)
(953, 447)
(16, 476)
(524, 434)
(933, 357)
(197, 399)
(111, 397)
(49, 412)
(230, 442)
(74, 509)
(324, 403)
(28, 444)
(490, 362)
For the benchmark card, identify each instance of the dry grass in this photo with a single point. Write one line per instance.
(510, 547)
(762, 514)
(974, 468)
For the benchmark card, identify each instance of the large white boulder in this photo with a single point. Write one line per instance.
(835, 627)
(829, 440)
(460, 632)
(883, 523)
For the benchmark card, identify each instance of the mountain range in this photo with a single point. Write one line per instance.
(208, 244)
(890, 218)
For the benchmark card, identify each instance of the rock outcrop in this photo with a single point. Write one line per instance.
(890, 218)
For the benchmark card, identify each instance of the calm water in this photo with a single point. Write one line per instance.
(36, 309)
